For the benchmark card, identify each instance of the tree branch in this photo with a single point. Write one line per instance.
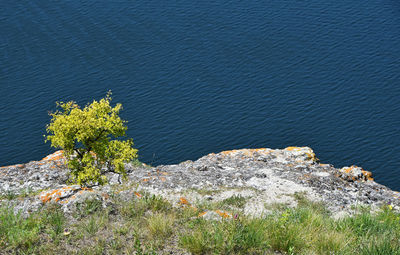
(79, 153)
(94, 140)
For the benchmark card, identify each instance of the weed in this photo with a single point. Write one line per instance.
(89, 206)
(139, 249)
(137, 163)
(137, 207)
(17, 232)
(92, 225)
(22, 193)
(55, 221)
(236, 201)
(160, 225)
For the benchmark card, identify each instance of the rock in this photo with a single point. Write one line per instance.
(355, 173)
(71, 197)
(215, 215)
(264, 176)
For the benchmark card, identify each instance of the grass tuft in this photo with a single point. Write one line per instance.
(160, 225)
(235, 201)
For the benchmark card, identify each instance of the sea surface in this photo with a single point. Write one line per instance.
(196, 77)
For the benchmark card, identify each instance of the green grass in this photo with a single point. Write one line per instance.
(207, 192)
(151, 225)
(22, 193)
(88, 207)
(160, 225)
(137, 163)
(234, 201)
(225, 237)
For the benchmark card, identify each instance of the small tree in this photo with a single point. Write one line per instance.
(89, 138)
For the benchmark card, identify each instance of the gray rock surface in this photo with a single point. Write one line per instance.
(262, 176)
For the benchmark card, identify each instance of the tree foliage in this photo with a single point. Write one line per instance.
(90, 139)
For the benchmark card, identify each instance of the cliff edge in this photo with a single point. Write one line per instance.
(263, 176)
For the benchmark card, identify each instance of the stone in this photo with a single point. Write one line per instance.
(264, 176)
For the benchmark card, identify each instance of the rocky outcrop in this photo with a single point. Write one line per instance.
(262, 176)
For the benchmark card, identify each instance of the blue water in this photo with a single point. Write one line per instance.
(197, 77)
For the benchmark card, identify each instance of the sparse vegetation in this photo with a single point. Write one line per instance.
(10, 195)
(151, 224)
(234, 201)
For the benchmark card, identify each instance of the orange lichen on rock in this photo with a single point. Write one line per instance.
(155, 177)
(250, 152)
(348, 169)
(227, 153)
(202, 214)
(311, 155)
(367, 174)
(358, 173)
(306, 150)
(8, 166)
(246, 152)
(183, 201)
(17, 166)
(58, 155)
(223, 214)
(57, 158)
(351, 169)
(293, 148)
(46, 197)
(56, 195)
